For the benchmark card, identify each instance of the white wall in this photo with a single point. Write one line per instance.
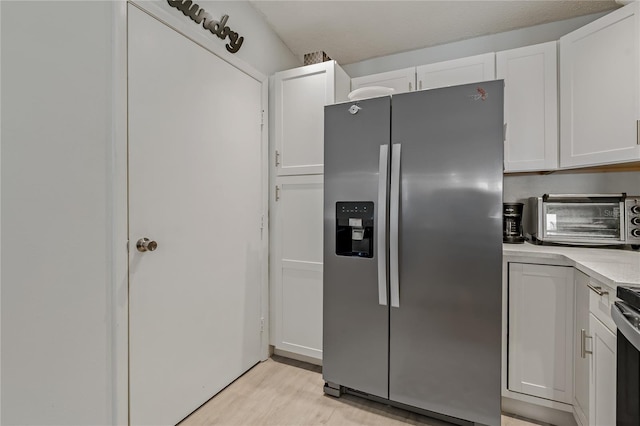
(63, 203)
(475, 46)
(56, 276)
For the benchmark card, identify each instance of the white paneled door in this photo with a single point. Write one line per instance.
(540, 331)
(297, 265)
(195, 188)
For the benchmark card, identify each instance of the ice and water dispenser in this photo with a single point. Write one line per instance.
(354, 228)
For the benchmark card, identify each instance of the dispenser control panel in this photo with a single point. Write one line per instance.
(354, 228)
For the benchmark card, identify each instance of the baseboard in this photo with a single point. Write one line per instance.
(538, 413)
(297, 357)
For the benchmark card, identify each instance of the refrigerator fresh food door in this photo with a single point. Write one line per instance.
(445, 320)
(355, 305)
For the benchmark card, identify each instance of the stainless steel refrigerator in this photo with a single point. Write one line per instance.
(413, 250)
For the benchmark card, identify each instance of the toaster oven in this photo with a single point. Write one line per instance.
(584, 219)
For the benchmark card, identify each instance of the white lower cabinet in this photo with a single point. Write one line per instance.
(540, 346)
(594, 402)
(581, 359)
(602, 384)
(561, 342)
(296, 265)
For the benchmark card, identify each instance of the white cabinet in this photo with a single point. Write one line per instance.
(594, 401)
(600, 90)
(296, 265)
(601, 341)
(581, 358)
(602, 386)
(530, 107)
(471, 69)
(401, 81)
(540, 346)
(295, 205)
(300, 97)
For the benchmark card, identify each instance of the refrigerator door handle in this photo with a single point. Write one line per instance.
(382, 224)
(394, 220)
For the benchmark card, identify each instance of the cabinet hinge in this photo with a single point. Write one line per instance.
(261, 324)
(262, 119)
(277, 193)
(127, 246)
(409, 86)
(504, 133)
(261, 226)
(277, 158)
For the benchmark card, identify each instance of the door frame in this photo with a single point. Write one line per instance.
(118, 188)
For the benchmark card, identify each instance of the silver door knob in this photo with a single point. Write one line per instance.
(145, 244)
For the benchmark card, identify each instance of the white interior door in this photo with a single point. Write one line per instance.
(195, 187)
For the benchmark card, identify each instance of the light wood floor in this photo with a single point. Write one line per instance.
(283, 392)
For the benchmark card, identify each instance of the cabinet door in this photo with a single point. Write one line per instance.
(600, 90)
(530, 107)
(602, 394)
(581, 357)
(400, 80)
(540, 331)
(297, 265)
(458, 71)
(300, 96)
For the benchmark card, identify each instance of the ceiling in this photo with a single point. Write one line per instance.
(351, 31)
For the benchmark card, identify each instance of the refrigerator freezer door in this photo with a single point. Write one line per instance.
(445, 337)
(355, 323)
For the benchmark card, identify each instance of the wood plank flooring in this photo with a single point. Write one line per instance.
(285, 392)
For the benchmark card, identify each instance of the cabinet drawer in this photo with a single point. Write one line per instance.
(600, 304)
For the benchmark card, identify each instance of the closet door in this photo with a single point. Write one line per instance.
(195, 188)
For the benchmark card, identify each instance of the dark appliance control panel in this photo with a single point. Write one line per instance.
(354, 228)
(632, 207)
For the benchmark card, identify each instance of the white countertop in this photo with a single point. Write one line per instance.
(610, 266)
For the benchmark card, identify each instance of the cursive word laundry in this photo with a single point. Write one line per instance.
(219, 28)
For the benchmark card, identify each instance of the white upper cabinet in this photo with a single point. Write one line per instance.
(530, 107)
(471, 69)
(400, 81)
(300, 97)
(600, 90)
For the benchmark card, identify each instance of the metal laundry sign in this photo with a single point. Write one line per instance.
(218, 28)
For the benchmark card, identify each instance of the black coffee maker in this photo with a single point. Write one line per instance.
(512, 223)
